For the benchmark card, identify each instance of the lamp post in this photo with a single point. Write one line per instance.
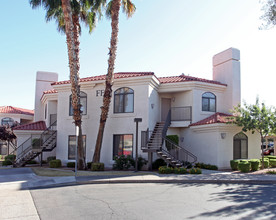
(137, 120)
(76, 153)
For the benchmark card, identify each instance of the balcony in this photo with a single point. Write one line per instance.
(181, 116)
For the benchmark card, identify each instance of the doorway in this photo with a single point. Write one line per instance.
(165, 108)
(240, 148)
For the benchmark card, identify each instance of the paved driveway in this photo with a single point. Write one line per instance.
(16, 175)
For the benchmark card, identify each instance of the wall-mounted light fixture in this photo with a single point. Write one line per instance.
(152, 106)
(223, 135)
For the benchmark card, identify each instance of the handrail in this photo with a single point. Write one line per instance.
(178, 149)
(167, 124)
(20, 145)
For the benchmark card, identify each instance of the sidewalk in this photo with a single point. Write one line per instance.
(31, 181)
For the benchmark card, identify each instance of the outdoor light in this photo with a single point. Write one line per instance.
(223, 135)
(152, 106)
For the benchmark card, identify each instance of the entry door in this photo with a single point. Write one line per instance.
(165, 107)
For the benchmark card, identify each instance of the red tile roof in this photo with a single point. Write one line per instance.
(213, 119)
(51, 91)
(35, 126)
(184, 78)
(15, 110)
(102, 77)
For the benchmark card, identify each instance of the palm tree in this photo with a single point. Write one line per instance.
(112, 11)
(67, 14)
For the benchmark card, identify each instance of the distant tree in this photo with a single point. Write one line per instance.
(269, 16)
(112, 11)
(6, 134)
(255, 118)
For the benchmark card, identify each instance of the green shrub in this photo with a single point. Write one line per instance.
(122, 162)
(44, 162)
(6, 163)
(272, 162)
(55, 163)
(266, 162)
(270, 157)
(165, 170)
(255, 164)
(51, 158)
(31, 162)
(10, 157)
(271, 172)
(187, 164)
(88, 165)
(234, 164)
(71, 164)
(141, 162)
(244, 167)
(97, 166)
(206, 166)
(195, 171)
(158, 163)
(180, 170)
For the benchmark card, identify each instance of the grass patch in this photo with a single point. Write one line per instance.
(41, 171)
(271, 172)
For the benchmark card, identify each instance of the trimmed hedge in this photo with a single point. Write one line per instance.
(272, 162)
(266, 162)
(255, 164)
(206, 166)
(270, 157)
(97, 166)
(51, 158)
(234, 164)
(71, 164)
(55, 163)
(244, 166)
(88, 165)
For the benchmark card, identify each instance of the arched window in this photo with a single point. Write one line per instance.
(240, 148)
(83, 102)
(123, 100)
(7, 121)
(208, 102)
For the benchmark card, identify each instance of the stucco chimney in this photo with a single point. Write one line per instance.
(226, 69)
(43, 83)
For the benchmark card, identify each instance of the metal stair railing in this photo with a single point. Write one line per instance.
(35, 144)
(178, 152)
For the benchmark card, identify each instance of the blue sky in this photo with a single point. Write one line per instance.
(166, 37)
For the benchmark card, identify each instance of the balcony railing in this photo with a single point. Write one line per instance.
(181, 113)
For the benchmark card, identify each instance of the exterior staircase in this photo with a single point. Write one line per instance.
(33, 147)
(169, 151)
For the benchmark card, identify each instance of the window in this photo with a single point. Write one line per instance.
(7, 121)
(123, 100)
(240, 149)
(72, 146)
(208, 102)
(83, 102)
(122, 144)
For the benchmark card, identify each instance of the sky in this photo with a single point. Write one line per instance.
(166, 37)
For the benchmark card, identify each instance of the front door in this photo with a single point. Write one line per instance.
(165, 108)
(240, 148)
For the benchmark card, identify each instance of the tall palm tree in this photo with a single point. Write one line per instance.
(112, 11)
(67, 13)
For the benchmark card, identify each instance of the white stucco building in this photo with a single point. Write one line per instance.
(198, 110)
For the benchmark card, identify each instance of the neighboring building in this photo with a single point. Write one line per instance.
(12, 116)
(198, 110)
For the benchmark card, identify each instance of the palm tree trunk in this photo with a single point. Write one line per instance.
(115, 9)
(74, 67)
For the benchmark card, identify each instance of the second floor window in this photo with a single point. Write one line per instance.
(7, 121)
(83, 102)
(123, 100)
(208, 102)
